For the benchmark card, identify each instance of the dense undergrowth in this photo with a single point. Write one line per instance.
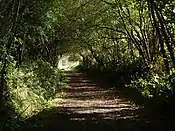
(30, 89)
(151, 86)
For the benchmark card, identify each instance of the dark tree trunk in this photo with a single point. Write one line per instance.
(158, 31)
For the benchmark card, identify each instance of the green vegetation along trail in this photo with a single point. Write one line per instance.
(88, 106)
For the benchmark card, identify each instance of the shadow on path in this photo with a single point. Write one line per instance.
(88, 107)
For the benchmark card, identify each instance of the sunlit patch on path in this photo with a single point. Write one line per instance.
(91, 101)
(89, 106)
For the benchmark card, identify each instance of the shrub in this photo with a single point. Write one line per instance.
(34, 87)
(156, 85)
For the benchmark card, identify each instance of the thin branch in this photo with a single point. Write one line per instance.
(110, 28)
(114, 38)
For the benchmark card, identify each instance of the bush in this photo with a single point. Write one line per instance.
(155, 86)
(33, 87)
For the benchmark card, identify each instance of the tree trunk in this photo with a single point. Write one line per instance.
(161, 41)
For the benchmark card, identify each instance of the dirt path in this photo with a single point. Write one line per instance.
(89, 107)
(88, 99)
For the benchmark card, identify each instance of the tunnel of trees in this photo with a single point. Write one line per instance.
(132, 41)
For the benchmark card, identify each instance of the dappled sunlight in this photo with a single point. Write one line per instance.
(125, 49)
(89, 107)
(87, 98)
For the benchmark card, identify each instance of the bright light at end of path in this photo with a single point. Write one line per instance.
(65, 64)
(174, 10)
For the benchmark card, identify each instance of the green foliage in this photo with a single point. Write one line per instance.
(133, 39)
(153, 86)
(34, 87)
